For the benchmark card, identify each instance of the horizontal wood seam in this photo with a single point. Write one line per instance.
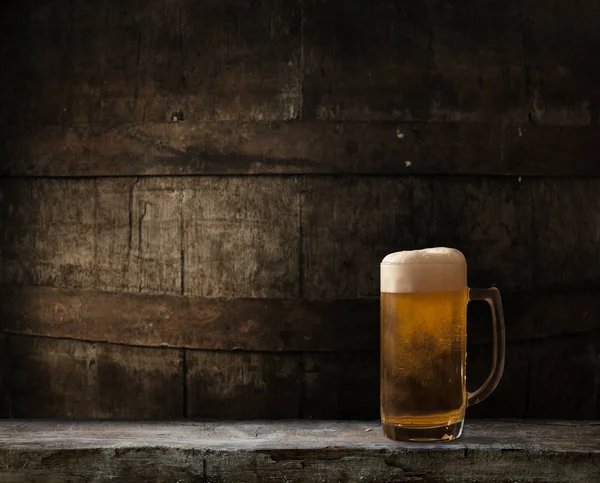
(259, 351)
(10, 333)
(228, 148)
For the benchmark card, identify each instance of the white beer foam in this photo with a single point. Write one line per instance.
(429, 270)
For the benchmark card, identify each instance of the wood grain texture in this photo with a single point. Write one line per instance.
(422, 61)
(243, 60)
(261, 385)
(350, 224)
(563, 82)
(196, 323)
(565, 377)
(290, 237)
(80, 63)
(4, 378)
(124, 62)
(302, 147)
(34, 83)
(110, 234)
(80, 379)
(340, 385)
(567, 213)
(214, 237)
(490, 222)
(532, 315)
(47, 234)
(263, 324)
(240, 238)
(71, 379)
(294, 451)
(237, 385)
(511, 398)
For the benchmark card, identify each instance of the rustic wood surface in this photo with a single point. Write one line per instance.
(43, 377)
(264, 324)
(511, 399)
(289, 237)
(294, 451)
(98, 63)
(562, 82)
(191, 322)
(396, 148)
(383, 61)
(340, 252)
(94, 63)
(568, 260)
(338, 385)
(250, 385)
(94, 380)
(157, 262)
(554, 390)
(492, 220)
(72, 379)
(114, 105)
(215, 237)
(243, 385)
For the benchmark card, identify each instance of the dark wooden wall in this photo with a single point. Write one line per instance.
(196, 196)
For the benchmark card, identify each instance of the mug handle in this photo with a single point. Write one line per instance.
(492, 297)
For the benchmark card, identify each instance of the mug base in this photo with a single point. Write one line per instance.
(448, 432)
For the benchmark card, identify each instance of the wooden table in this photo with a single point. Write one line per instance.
(293, 451)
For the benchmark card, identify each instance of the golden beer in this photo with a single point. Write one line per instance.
(423, 358)
(424, 298)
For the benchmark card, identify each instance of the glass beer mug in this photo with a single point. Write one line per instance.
(424, 298)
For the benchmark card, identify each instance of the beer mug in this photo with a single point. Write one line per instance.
(424, 298)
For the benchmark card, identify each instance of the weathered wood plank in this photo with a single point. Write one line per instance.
(284, 237)
(157, 231)
(196, 323)
(86, 61)
(558, 39)
(263, 324)
(544, 436)
(490, 222)
(99, 465)
(95, 62)
(4, 378)
(562, 96)
(340, 385)
(72, 379)
(111, 234)
(305, 451)
(531, 315)
(302, 148)
(34, 43)
(143, 61)
(47, 232)
(261, 385)
(567, 214)
(243, 60)
(487, 33)
(116, 235)
(241, 385)
(350, 224)
(78, 379)
(565, 377)
(240, 238)
(209, 237)
(510, 398)
(382, 60)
